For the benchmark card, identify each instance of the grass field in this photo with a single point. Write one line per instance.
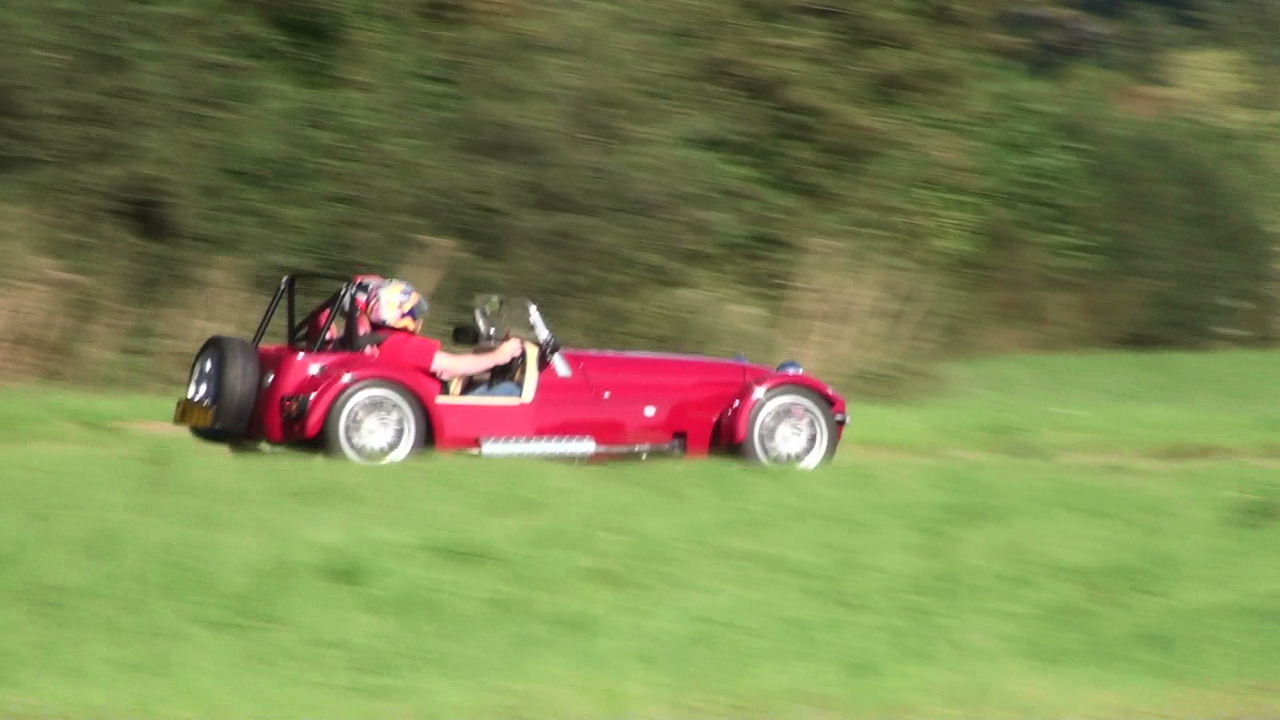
(1051, 536)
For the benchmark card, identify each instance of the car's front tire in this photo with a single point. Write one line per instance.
(375, 422)
(791, 426)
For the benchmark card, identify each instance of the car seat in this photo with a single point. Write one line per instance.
(364, 331)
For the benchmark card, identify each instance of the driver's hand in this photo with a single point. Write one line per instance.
(510, 349)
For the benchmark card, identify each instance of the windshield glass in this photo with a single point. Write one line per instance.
(497, 316)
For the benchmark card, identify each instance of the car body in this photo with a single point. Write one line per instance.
(573, 402)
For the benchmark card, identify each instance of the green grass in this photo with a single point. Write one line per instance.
(143, 574)
(1170, 405)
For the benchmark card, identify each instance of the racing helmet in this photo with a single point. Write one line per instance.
(395, 304)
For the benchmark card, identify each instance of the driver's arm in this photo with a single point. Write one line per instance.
(447, 365)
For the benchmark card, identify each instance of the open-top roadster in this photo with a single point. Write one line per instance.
(327, 382)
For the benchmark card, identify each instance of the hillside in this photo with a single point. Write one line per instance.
(864, 186)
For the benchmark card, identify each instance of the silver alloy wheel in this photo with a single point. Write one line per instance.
(791, 430)
(377, 425)
(203, 387)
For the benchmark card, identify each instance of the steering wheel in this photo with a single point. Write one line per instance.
(507, 371)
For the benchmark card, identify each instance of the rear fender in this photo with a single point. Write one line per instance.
(734, 425)
(327, 390)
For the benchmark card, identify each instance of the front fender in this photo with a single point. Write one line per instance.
(322, 397)
(734, 427)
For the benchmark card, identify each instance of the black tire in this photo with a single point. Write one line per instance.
(380, 396)
(229, 367)
(805, 403)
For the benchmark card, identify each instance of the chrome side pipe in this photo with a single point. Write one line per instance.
(570, 446)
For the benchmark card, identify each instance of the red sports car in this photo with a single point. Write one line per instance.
(326, 382)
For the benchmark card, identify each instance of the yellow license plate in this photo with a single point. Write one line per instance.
(193, 414)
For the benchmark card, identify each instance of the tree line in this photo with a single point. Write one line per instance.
(890, 182)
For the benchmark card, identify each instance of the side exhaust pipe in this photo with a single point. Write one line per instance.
(570, 446)
(566, 446)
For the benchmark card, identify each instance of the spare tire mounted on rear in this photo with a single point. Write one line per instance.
(224, 374)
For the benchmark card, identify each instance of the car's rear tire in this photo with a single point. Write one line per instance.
(225, 373)
(374, 423)
(791, 426)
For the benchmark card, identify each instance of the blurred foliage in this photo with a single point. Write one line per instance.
(657, 174)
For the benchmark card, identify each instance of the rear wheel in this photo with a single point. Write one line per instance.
(791, 426)
(375, 423)
(224, 374)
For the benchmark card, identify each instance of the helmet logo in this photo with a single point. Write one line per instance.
(397, 305)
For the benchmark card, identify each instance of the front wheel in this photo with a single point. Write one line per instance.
(375, 423)
(791, 426)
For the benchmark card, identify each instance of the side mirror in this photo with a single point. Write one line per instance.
(466, 335)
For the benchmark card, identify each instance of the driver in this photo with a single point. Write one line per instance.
(397, 307)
